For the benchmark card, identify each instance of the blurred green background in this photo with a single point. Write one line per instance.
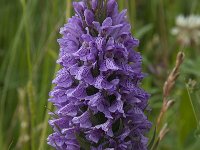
(28, 52)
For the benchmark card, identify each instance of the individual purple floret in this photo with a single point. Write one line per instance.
(99, 102)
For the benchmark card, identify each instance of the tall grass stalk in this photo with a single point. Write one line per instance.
(31, 95)
(31, 100)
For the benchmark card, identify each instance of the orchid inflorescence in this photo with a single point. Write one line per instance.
(98, 99)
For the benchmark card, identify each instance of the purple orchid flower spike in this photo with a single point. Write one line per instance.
(99, 102)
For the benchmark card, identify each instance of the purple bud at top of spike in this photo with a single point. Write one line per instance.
(97, 96)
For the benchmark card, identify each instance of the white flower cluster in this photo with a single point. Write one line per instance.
(187, 29)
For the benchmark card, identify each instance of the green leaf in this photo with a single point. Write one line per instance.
(143, 31)
(150, 145)
(187, 123)
(191, 67)
(156, 145)
(117, 127)
(83, 141)
(195, 146)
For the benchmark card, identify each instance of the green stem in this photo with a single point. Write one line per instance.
(163, 31)
(193, 109)
(31, 103)
(132, 13)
